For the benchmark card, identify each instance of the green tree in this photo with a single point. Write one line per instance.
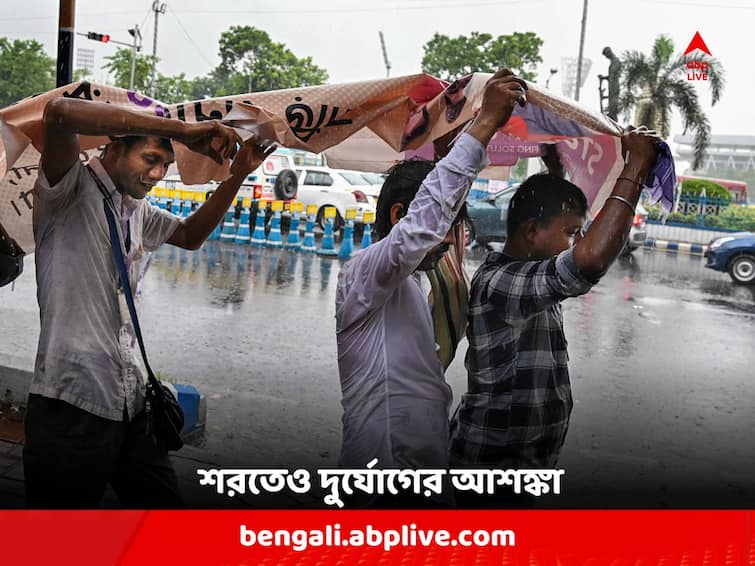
(451, 57)
(119, 65)
(251, 61)
(202, 87)
(172, 89)
(80, 74)
(168, 89)
(25, 69)
(656, 84)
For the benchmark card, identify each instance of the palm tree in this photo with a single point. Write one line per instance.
(658, 83)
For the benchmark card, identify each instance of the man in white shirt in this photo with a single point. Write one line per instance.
(85, 419)
(395, 397)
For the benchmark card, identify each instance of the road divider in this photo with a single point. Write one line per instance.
(684, 247)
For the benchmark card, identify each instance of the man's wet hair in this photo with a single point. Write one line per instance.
(544, 196)
(400, 186)
(132, 141)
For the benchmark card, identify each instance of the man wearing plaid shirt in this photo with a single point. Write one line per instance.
(516, 411)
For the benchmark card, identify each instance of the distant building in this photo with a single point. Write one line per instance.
(724, 153)
(85, 60)
(569, 74)
(725, 157)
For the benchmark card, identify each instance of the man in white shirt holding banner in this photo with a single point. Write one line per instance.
(395, 396)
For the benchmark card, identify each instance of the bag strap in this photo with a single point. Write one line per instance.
(115, 244)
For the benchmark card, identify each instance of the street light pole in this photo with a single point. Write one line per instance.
(581, 51)
(385, 55)
(66, 20)
(250, 68)
(158, 8)
(137, 46)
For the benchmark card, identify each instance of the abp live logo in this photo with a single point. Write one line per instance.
(697, 70)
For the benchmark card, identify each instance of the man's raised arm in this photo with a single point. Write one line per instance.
(64, 118)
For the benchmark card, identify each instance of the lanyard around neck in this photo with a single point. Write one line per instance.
(109, 199)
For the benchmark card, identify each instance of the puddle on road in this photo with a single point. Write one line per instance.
(232, 274)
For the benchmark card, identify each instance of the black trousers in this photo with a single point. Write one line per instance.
(71, 455)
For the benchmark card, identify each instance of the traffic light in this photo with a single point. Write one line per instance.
(103, 37)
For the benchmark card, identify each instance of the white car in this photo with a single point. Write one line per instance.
(360, 184)
(325, 187)
(375, 181)
(274, 179)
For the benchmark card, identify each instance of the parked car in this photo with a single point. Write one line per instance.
(638, 232)
(274, 179)
(325, 187)
(487, 217)
(487, 220)
(376, 180)
(361, 183)
(734, 254)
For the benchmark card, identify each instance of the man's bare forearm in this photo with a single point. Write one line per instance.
(484, 128)
(194, 230)
(603, 243)
(98, 119)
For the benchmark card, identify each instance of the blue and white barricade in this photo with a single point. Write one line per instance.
(243, 235)
(274, 237)
(327, 246)
(228, 233)
(293, 242)
(258, 237)
(369, 218)
(308, 245)
(347, 239)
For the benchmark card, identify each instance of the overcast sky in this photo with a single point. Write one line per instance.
(342, 35)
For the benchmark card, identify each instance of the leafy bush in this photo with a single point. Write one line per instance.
(679, 218)
(713, 221)
(738, 218)
(731, 218)
(694, 187)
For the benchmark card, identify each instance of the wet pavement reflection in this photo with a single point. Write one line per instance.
(231, 274)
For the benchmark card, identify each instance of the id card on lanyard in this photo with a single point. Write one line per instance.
(126, 335)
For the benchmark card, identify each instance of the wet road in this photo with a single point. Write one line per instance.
(662, 363)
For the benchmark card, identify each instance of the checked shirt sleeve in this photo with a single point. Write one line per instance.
(522, 289)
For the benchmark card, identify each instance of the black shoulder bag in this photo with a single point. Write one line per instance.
(11, 258)
(165, 418)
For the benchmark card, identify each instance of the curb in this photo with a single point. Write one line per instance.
(14, 387)
(685, 247)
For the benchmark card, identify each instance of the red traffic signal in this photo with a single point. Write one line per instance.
(103, 37)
